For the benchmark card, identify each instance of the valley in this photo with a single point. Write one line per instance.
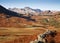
(16, 27)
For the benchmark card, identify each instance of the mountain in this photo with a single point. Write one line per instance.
(37, 10)
(12, 19)
(11, 13)
(8, 12)
(32, 10)
(2, 9)
(47, 12)
(26, 10)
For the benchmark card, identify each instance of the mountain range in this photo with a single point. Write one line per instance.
(29, 11)
(25, 10)
(25, 17)
(8, 18)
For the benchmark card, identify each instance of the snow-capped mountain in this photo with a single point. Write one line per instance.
(25, 10)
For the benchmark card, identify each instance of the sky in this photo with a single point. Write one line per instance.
(36, 4)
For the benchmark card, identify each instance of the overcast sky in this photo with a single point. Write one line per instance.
(40, 4)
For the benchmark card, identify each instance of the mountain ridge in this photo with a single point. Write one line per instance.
(25, 10)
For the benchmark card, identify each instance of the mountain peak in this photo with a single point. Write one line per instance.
(27, 8)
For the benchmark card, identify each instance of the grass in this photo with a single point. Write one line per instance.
(13, 33)
(8, 34)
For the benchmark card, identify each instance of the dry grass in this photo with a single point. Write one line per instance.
(8, 34)
(16, 35)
